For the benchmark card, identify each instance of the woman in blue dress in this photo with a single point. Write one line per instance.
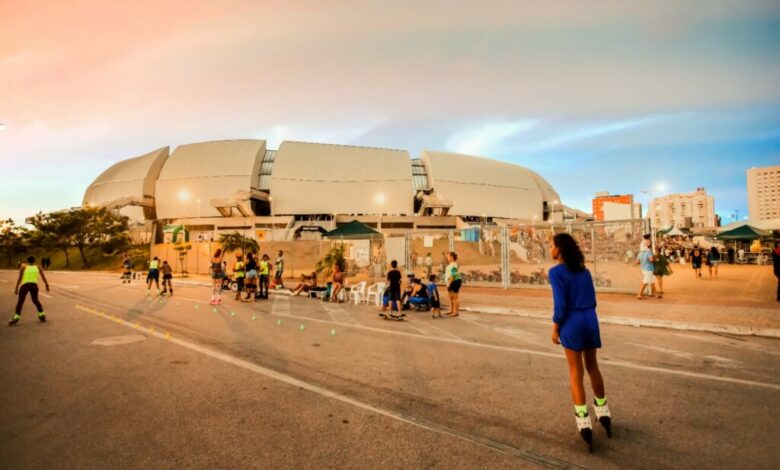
(576, 327)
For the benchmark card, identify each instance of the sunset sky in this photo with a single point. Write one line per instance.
(616, 96)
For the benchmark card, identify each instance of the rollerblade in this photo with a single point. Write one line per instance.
(14, 320)
(603, 416)
(586, 430)
(42, 317)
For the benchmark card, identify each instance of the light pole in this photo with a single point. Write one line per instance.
(650, 204)
(184, 197)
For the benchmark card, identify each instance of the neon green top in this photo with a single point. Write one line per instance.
(264, 268)
(30, 275)
(239, 269)
(154, 264)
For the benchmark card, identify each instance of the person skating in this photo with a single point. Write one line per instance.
(279, 271)
(239, 272)
(576, 327)
(154, 274)
(394, 278)
(251, 278)
(696, 259)
(28, 280)
(265, 272)
(127, 270)
(167, 273)
(217, 275)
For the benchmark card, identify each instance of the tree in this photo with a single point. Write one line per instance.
(182, 248)
(236, 242)
(80, 227)
(334, 257)
(13, 240)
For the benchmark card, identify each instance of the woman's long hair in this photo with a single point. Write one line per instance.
(218, 253)
(570, 252)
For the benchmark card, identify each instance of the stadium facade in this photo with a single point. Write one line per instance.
(303, 189)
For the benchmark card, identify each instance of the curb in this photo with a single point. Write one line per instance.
(640, 323)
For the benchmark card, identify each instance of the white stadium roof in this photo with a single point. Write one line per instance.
(338, 179)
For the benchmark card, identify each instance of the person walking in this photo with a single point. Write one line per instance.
(661, 268)
(576, 328)
(713, 260)
(696, 259)
(279, 270)
(28, 280)
(428, 265)
(645, 260)
(776, 265)
(167, 272)
(217, 276)
(454, 282)
(154, 274)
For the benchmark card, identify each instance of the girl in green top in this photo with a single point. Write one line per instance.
(662, 267)
(28, 279)
(453, 280)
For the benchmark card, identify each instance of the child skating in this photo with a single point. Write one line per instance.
(217, 276)
(28, 280)
(167, 273)
(576, 327)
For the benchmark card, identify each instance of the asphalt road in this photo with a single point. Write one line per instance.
(120, 379)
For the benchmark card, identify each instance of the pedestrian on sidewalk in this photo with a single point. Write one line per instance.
(661, 268)
(696, 259)
(713, 260)
(454, 282)
(28, 280)
(776, 265)
(576, 327)
(645, 261)
(279, 271)
(167, 272)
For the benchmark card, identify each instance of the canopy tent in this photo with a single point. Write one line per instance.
(674, 232)
(354, 230)
(174, 230)
(745, 233)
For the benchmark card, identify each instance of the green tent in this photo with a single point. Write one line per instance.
(745, 233)
(174, 230)
(354, 230)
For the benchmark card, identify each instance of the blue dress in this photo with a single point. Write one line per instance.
(574, 309)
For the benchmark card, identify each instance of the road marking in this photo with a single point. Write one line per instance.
(558, 356)
(117, 340)
(420, 422)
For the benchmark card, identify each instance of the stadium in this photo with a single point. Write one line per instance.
(301, 190)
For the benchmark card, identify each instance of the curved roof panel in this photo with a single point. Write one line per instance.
(206, 171)
(129, 180)
(478, 186)
(326, 179)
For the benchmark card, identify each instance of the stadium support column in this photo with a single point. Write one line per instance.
(451, 240)
(408, 252)
(505, 275)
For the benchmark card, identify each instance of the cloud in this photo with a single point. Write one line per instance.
(488, 138)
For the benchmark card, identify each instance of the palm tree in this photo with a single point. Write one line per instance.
(236, 242)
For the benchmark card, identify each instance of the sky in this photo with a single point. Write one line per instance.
(619, 96)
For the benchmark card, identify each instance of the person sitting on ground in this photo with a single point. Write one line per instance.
(308, 283)
(419, 296)
(338, 283)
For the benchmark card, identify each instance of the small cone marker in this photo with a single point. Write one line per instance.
(178, 303)
(302, 327)
(232, 314)
(214, 309)
(196, 306)
(333, 332)
(278, 322)
(254, 318)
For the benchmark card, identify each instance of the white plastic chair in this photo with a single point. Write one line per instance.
(375, 292)
(358, 292)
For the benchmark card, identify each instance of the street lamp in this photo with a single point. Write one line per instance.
(650, 193)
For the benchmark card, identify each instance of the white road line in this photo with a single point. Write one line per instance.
(559, 356)
(415, 421)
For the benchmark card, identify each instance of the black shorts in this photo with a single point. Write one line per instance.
(394, 294)
(454, 286)
(240, 283)
(435, 304)
(154, 275)
(167, 277)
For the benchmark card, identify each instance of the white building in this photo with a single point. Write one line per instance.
(763, 185)
(687, 210)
